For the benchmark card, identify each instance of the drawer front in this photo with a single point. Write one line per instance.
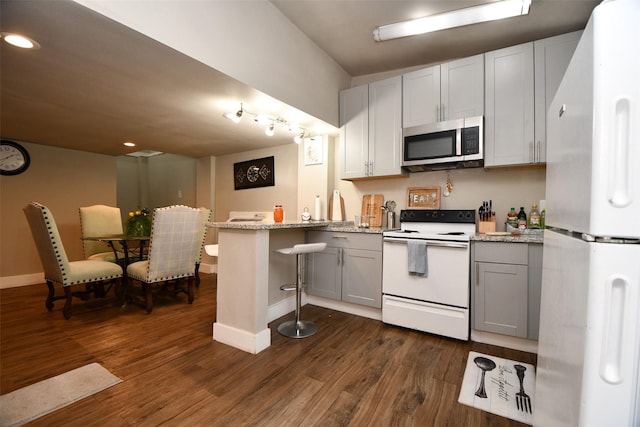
(502, 253)
(367, 241)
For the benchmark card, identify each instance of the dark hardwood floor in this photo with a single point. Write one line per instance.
(353, 372)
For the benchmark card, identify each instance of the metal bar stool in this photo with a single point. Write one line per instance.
(299, 328)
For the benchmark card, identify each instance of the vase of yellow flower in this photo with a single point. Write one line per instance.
(139, 223)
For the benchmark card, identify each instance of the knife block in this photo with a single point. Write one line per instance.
(487, 226)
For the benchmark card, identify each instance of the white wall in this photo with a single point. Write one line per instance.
(63, 180)
(284, 192)
(249, 40)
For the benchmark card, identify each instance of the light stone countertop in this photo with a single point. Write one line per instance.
(521, 238)
(349, 227)
(258, 225)
(343, 226)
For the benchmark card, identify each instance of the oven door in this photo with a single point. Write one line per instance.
(447, 280)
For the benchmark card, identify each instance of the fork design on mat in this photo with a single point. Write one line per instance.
(522, 399)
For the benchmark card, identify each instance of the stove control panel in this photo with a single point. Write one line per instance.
(464, 216)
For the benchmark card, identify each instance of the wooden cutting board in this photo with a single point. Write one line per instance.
(372, 206)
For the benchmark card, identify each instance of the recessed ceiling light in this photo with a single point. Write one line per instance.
(20, 41)
(129, 144)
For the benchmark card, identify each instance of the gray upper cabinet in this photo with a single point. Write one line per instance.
(552, 56)
(371, 130)
(354, 131)
(509, 94)
(520, 82)
(443, 92)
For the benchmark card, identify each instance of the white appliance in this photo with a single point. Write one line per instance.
(444, 145)
(589, 343)
(434, 299)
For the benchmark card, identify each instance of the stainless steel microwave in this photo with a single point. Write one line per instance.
(444, 145)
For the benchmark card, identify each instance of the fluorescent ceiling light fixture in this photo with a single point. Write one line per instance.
(457, 18)
(145, 153)
(20, 41)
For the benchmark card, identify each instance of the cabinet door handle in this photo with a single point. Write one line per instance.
(477, 274)
(531, 153)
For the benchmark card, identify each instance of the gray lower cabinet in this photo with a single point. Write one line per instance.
(349, 269)
(506, 288)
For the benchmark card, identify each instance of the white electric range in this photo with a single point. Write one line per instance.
(434, 297)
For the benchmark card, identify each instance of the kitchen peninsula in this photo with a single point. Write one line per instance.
(250, 273)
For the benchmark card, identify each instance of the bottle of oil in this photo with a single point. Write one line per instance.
(534, 217)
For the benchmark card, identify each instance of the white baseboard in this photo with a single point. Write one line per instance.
(522, 344)
(355, 309)
(21, 280)
(208, 268)
(243, 340)
(38, 278)
(283, 307)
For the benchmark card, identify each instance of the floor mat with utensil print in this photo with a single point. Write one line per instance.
(500, 386)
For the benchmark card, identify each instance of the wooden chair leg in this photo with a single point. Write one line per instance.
(148, 297)
(50, 295)
(66, 310)
(190, 289)
(197, 275)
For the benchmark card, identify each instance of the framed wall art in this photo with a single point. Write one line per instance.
(313, 151)
(253, 173)
(423, 198)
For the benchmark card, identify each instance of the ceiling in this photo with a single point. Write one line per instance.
(113, 84)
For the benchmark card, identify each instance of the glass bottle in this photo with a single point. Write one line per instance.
(522, 219)
(512, 218)
(278, 213)
(534, 217)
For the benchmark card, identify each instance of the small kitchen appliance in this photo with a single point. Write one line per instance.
(434, 299)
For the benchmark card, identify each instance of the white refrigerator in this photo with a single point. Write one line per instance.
(589, 342)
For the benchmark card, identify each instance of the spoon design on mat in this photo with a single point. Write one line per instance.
(485, 365)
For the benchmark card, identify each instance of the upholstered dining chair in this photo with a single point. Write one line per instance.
(96, 221)
(57, 267)
(175, 235)
(206, 217)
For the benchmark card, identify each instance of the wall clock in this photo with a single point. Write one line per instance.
(14, 158)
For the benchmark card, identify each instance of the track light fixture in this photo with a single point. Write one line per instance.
(263, 119)
(235, 116)
(270, 130)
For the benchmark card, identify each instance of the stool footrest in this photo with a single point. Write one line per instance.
(288, 287)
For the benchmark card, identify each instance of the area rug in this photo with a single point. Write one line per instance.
(28, 403)
(498, 393)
